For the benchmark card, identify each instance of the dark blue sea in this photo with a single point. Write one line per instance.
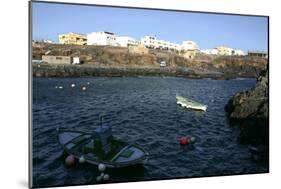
(141, 110)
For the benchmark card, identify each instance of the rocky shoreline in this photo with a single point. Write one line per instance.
(249, 110)
(49, 70)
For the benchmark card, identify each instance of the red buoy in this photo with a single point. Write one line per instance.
(184, 140)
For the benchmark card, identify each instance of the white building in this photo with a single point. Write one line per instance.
(149, 41)
(239, 52)
(189, 45)
(47, 41)
(125, 41)
(102, 38)
(210, 51)
(224, 51)
(154, 43)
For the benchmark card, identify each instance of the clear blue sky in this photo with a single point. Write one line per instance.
(207, 30)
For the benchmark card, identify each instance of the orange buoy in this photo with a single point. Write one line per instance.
(184, 140)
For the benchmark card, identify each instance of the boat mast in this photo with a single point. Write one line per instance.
(100, 122)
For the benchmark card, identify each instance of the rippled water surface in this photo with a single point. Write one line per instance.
(142, 111)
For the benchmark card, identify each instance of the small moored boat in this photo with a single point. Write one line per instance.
(188, 103)
(100, 147)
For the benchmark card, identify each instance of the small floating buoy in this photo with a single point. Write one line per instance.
(56, 87)
(88, 83)
(99, 178)
(184, 141)
(84, 88)
(72, 85)
(106, 177)
(69, 160)
(101, 167)
(60, 87)
(192, 140)
(82, 159)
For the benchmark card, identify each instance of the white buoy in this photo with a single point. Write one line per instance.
(72, 85)
(60, 87)
(106, 177)
(88, 83)
(56, 87)
(99, 178)
(192, 139)
(101, 167)
(82, 159)
(84, 88)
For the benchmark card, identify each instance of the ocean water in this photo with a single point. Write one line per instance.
(141, 110)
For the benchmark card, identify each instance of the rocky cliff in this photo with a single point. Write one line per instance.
(250, 110)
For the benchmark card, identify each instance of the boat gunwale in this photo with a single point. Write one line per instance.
(107, 163)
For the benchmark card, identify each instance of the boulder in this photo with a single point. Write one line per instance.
(250, 111)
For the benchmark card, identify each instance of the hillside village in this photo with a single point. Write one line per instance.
(106, 50)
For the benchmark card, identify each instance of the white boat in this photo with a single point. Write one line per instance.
(187, 103)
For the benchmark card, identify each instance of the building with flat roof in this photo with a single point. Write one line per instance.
(51, 59)
(222, 50)
(149, 41)
(262, 54)
(73, 38)
(210, 51)
(154, 43)
(189, 45)
(238, 52)
(125, 41)
(102, 38)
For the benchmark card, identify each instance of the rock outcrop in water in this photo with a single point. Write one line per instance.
(250, 111)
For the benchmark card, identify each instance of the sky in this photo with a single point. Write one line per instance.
(207, 30)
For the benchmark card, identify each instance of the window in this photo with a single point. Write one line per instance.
(58, 58)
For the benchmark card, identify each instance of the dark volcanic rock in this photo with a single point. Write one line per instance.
(250, 110)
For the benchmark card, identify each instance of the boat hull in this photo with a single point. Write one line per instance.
(190, 104)
(199, 108)
(66, 137)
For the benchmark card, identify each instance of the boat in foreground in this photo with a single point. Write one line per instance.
(188, 103)
(100, 147)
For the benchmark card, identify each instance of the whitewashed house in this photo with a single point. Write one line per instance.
(102, 38)
(239, 52)
(125, 41)
(210, 51)
(189, 45)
